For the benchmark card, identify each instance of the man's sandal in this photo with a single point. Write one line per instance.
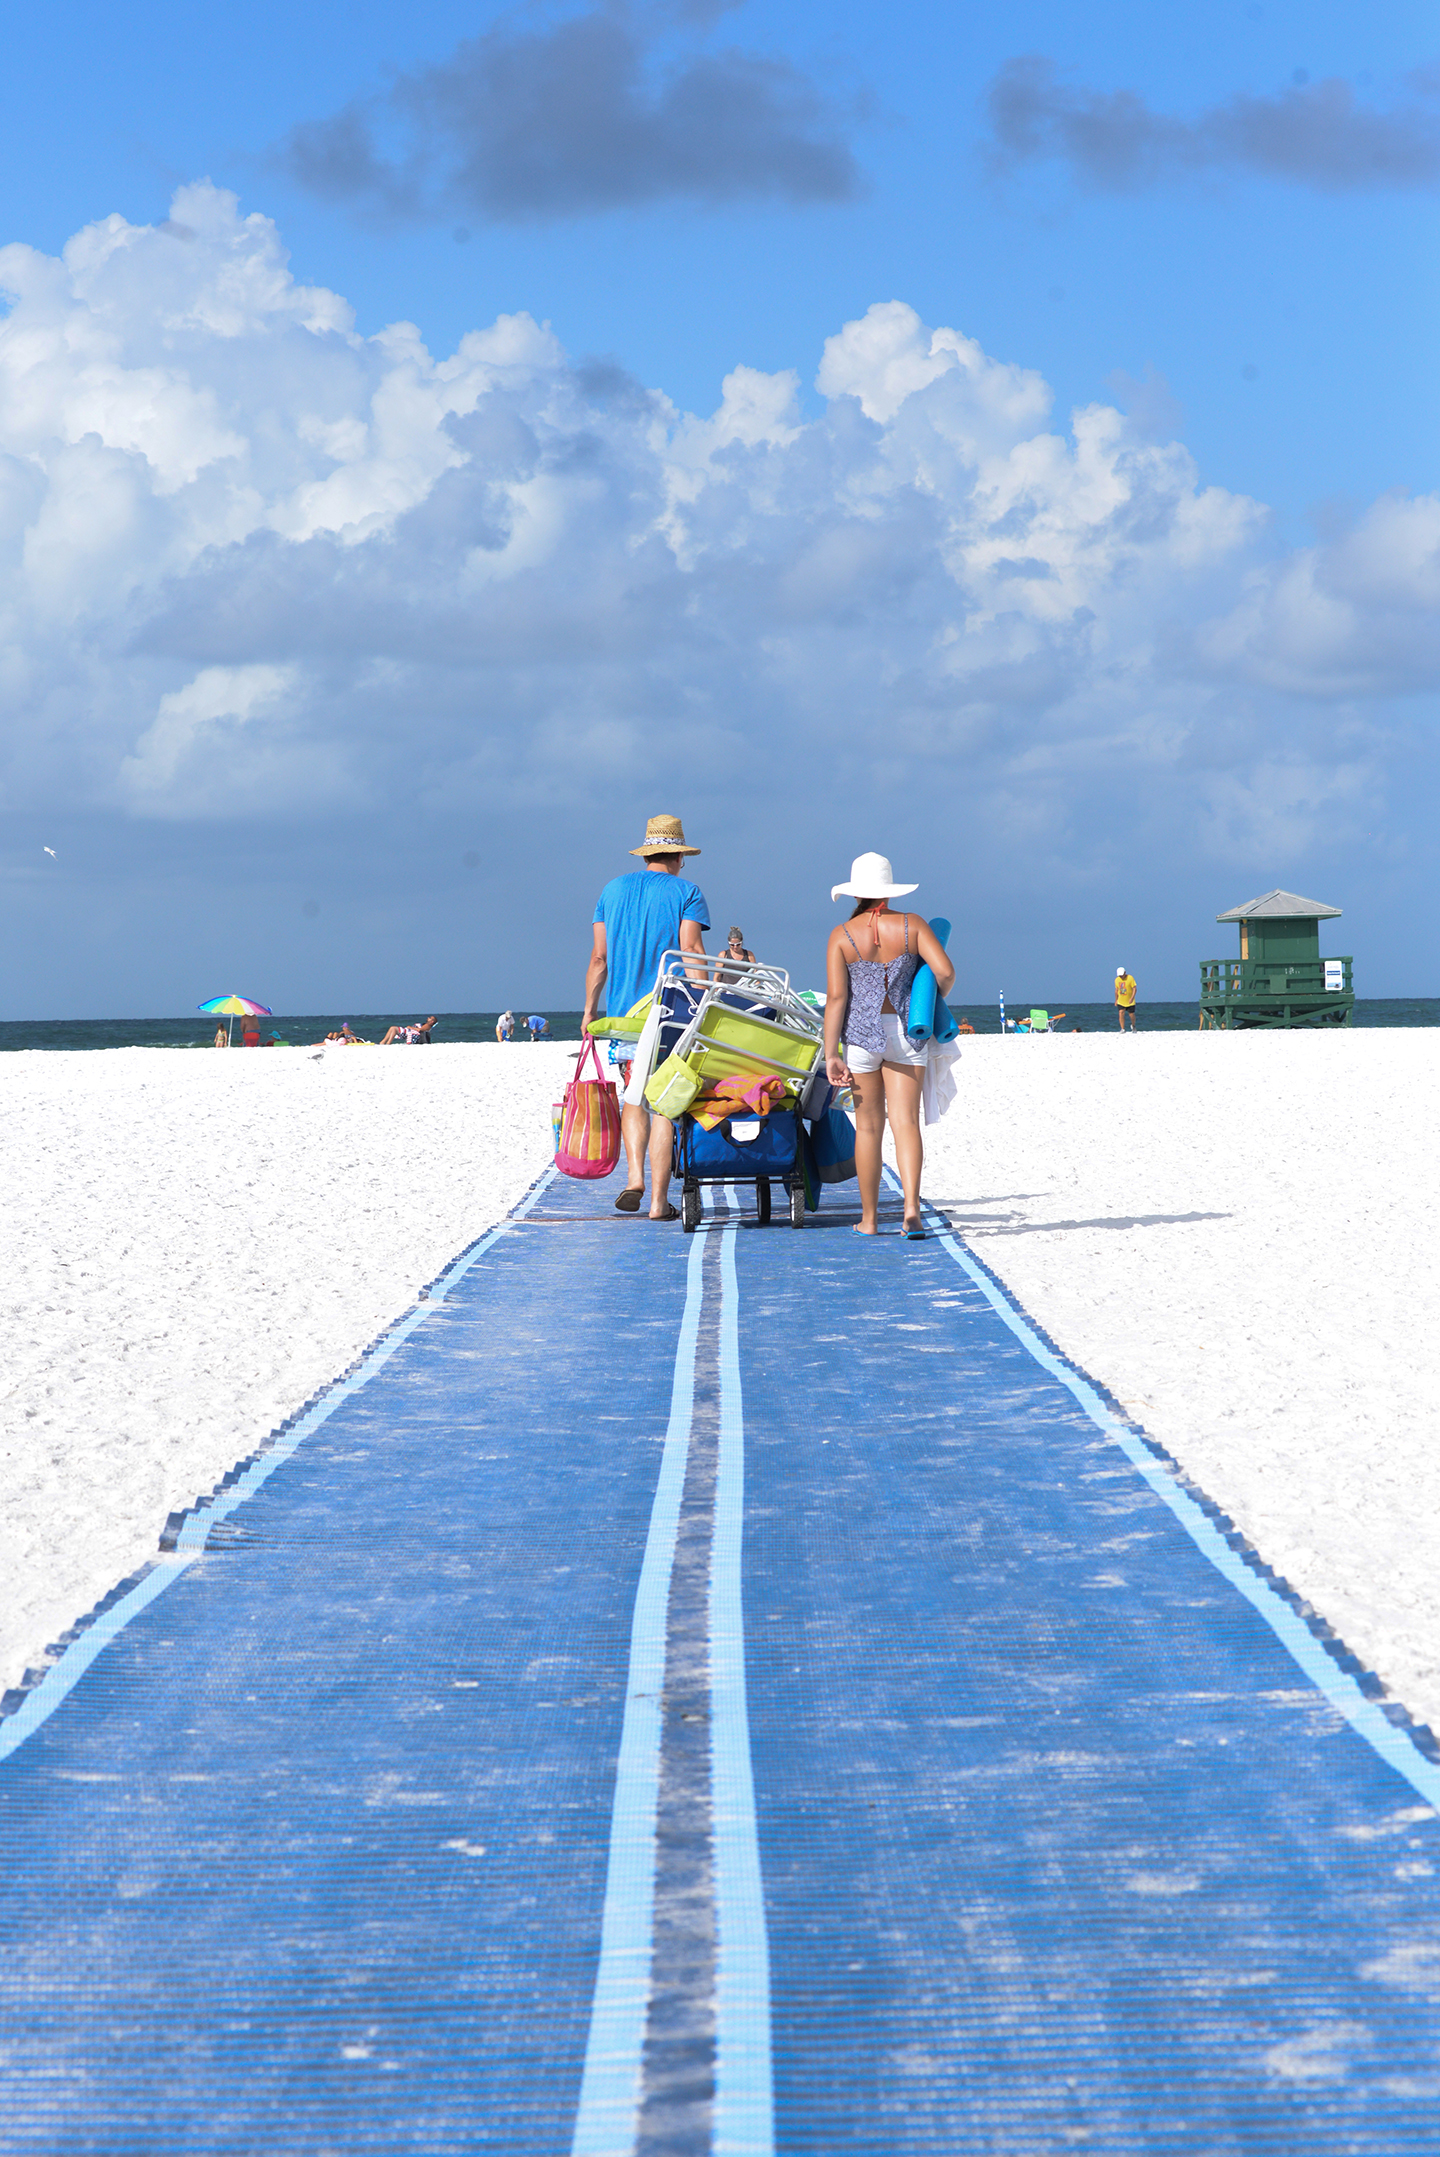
(629, 1201)
(671, 1213)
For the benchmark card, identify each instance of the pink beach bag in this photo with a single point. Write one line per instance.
(589, 1122)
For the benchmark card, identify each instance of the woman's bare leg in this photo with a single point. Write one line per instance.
(903, 1085)
(868, 1089)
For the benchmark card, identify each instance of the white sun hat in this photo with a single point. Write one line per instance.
(871, 877)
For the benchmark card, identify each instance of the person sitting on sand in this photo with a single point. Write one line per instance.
(870, 963)
(964, 1027)
(408, 1034)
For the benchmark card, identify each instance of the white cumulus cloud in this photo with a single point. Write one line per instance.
(257, 564)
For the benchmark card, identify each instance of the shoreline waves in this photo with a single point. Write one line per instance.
(455, 1027)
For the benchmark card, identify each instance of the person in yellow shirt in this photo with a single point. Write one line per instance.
(1124, 997)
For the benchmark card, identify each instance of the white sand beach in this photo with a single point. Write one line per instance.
(1231, 1232)
(198, 1241)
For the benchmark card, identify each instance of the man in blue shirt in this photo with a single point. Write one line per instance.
(637, 918)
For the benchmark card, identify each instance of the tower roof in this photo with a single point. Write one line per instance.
(1281, 906)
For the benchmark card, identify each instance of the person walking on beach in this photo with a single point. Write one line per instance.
(1124, 997)
(638, 918)
(870, 963)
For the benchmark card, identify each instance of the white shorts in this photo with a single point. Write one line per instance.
(897, 1049)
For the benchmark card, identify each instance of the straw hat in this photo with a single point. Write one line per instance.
(871, 877)
(664, 835)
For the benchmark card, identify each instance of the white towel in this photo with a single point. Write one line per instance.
(938, 1087)
(644, 1059)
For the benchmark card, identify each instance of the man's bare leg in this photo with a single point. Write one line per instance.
(634, 1135)
(662, 1153)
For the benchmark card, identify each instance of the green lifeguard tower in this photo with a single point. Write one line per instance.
(1279, 978)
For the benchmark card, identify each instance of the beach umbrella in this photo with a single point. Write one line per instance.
(236, 1007)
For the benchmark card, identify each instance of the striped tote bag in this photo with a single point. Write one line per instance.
(589, 1122)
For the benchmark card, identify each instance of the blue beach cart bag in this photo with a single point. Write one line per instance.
(771, 1152)
(832, 1146)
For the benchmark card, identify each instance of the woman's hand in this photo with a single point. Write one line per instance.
(837, 1070)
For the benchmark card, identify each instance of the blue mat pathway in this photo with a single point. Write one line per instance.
(725, 1694)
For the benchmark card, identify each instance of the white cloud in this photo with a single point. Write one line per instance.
(217, 694)
(889, 355)
(1357, 616)
(256, 563)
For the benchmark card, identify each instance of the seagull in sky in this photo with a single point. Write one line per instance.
(52, 853)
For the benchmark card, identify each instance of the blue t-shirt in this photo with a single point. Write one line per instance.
(642, 913)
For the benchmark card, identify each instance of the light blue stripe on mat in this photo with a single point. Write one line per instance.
(1366, 1717)
(66, 1672)
(608, 2113)
(744, 2124)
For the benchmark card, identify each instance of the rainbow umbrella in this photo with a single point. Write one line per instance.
(236, 1007)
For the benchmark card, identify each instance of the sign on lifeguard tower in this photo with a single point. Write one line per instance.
(1279, 978)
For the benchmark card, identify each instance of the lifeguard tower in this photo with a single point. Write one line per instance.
(1279, 978)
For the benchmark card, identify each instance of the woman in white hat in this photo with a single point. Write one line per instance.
(870, 963)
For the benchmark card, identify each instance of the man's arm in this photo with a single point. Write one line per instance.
(692, 940)
(596, 974)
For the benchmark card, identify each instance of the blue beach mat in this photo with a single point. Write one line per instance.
(733, 1693)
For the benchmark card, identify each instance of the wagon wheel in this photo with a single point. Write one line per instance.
(797, 1205)
(690, 1209)
(762, 1198)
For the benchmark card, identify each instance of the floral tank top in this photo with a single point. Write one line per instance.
(871, 980)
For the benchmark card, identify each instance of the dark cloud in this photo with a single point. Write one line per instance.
(583, 116)
(1315, 133)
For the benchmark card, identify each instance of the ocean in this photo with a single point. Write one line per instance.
(198, 1032)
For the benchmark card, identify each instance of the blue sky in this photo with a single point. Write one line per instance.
(349, 679)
